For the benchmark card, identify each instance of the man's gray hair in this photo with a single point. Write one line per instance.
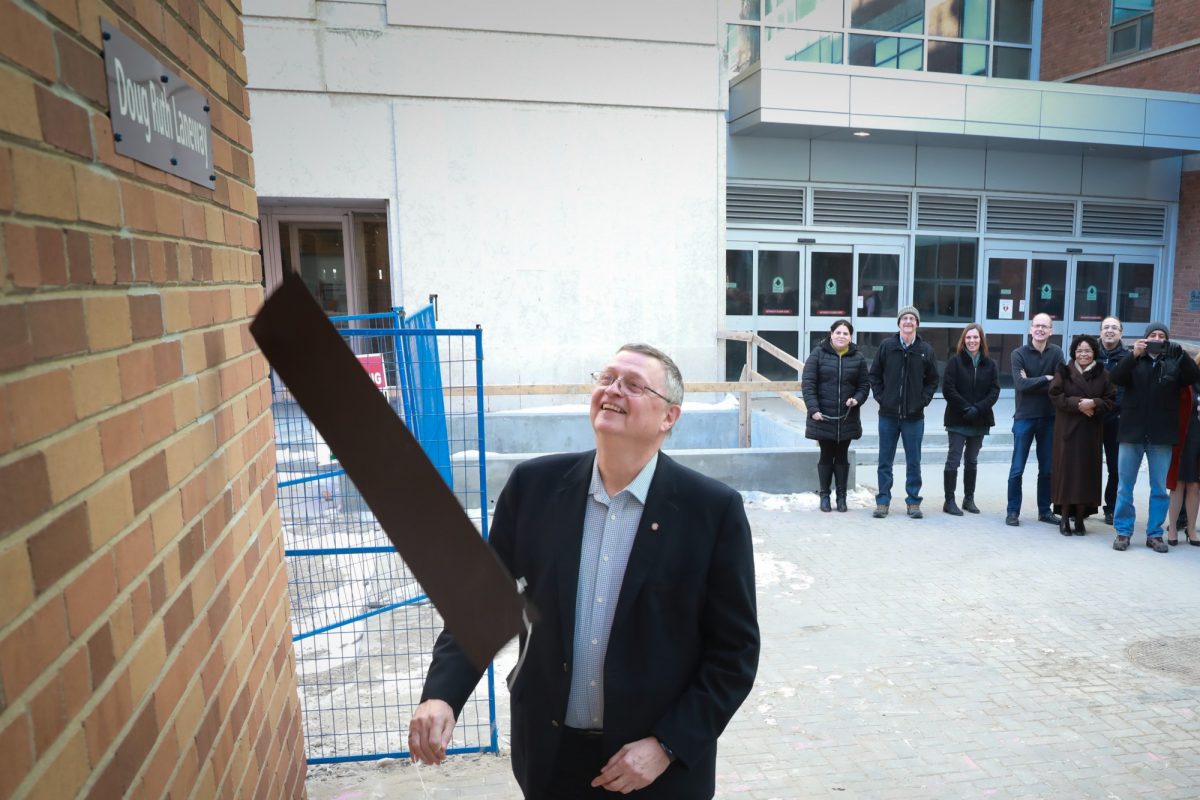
(674, 377)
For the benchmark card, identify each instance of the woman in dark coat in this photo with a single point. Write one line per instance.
(835, 384)
(970, 386)
(1082, 396)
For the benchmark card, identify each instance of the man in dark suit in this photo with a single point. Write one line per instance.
(643, 576)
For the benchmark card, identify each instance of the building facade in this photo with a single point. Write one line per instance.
(571, 179)
(1139, 44)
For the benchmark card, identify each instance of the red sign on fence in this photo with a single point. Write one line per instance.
(373, 364)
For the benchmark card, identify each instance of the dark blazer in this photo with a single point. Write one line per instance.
(965, 385)
(828, 381)
(684, 645)
(904, 380)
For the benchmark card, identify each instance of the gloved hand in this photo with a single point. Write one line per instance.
(971, 413)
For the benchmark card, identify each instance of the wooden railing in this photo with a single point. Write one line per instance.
(750, 382)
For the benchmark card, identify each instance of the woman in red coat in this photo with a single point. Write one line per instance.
(1082, 395)
(1183, 479)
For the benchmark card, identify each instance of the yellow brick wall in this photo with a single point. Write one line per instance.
(144, 636)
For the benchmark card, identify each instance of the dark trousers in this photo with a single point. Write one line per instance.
(1111, 448)
(834, 452)
(580, 758)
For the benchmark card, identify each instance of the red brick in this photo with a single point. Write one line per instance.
(6, 180)
(79, 258)
(16, 349)
(56, 327)
(20, 244)
(123, 256)
(16, 742)
(107, 718)
(5, 430)
(26, 40)
(137, 372)
(138, 202)
(158, 419)
(121, 437)
(90, 594)
(52, 256)
(43, 184)
(25, 486)
(117, 777)
(168, 363)
(134, 552)
(64, 124)
(141, 260)
(101, 657)
(41, 404)
(104, 266)
(149, 480)
(145, 311)
(81, 69)
(31, 647)
(59, 547)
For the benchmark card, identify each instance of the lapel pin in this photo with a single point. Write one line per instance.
(653, 526)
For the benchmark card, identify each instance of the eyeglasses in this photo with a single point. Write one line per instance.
(1110, 327)
(1041, 327)
(632, 389)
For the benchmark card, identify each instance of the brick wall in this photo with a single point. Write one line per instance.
(1185, 323)
(144, 635)
(1075, 38)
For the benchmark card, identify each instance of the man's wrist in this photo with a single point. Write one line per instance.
(669, 752)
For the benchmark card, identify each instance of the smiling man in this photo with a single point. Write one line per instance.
(1033, 366)
(643, 576)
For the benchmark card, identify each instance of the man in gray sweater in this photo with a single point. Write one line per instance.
(1033, 367)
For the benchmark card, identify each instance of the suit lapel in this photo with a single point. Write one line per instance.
(661, 511)
(569, 503)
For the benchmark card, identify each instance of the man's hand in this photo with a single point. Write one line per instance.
(429, 731)
(1024, 377)
(1139, 348)
(634, 766)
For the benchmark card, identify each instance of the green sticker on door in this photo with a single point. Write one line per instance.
(777, 285)
(1091, 293)
(831, 286)
(1047, 291)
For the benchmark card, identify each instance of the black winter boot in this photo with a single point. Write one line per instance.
(841, 474)
(949, 480)
(824, 477)
(969, 476)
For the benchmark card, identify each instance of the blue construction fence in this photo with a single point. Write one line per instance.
(362, 627)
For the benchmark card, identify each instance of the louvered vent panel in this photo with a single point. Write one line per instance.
(1110, 220)
(1030, 216)
(771, 204)
(947, 212)
(860, 209)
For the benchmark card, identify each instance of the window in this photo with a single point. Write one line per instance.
(944, 278)
(1132, 27)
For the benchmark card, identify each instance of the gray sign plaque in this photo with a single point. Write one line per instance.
(157, 117)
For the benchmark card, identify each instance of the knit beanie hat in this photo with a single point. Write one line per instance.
(909, 310)
(1156, 326)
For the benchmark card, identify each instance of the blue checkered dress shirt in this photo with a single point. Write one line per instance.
(609, 528)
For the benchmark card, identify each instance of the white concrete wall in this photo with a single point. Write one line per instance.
(1007, 169)
(562, 188)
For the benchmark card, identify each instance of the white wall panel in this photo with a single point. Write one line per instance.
(757, 157)
(1132, 178)
(950, 167)
(660, 20)
(864, 162)
(1016, 171)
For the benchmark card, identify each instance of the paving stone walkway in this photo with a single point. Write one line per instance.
(950, 657)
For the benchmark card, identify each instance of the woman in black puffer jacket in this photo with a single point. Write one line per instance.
(971, 386)
(835, 385)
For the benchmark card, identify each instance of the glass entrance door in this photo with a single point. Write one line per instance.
(342, 256)
(1006, 307)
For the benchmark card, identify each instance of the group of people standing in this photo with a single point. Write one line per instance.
(1102, 404)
